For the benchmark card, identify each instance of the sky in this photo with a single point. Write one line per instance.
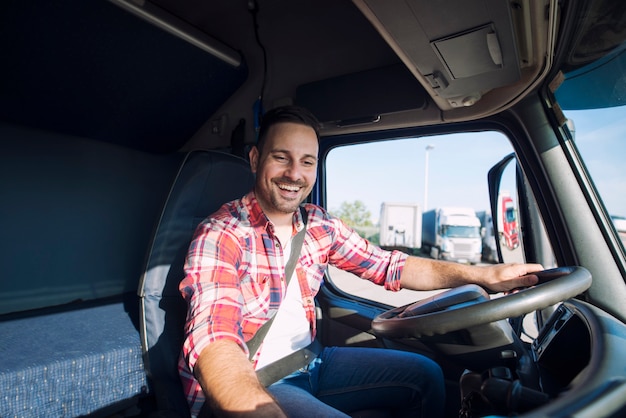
(601, 140)
(394, 171)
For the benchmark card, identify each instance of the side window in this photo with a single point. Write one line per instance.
(599, 137)
(391, 192)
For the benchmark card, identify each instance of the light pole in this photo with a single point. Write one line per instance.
(428, 148)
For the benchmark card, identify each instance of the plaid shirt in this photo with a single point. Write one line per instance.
(234, 275)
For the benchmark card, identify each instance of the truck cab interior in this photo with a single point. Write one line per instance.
(123, 123)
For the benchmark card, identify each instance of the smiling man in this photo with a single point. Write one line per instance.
(286, 169)
(234, 284)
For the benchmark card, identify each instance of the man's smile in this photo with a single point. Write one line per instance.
(289, 187)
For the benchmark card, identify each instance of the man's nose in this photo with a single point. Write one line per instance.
(293, 171)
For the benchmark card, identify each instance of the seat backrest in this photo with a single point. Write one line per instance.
(205, 181)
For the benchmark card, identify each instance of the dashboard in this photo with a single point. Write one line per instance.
(562, 349)
(580, 361)
(577, 357)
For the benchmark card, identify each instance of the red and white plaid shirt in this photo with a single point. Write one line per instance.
(234, 275)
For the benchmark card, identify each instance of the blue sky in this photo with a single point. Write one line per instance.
(457, 172)
(601, 140)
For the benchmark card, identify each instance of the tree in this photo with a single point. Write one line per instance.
(354, 214)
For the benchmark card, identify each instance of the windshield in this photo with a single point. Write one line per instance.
(510, 214)
(455, 231)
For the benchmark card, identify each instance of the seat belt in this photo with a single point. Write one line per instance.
(275, 371)
(298, 359)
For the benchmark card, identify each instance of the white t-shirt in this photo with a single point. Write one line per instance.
(290, 330)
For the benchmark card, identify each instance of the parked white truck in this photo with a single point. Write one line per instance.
(400, 226)
(452, 233)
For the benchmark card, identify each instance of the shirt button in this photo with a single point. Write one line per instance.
(277, 245)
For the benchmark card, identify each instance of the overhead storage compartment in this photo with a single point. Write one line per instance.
(461, 59)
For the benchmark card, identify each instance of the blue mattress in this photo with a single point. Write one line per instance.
(69, 363)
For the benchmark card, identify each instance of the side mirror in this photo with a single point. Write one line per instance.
(503, 180)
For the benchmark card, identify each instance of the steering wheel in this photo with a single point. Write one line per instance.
(467, 306)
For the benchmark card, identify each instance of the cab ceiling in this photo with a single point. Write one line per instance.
(467, 58)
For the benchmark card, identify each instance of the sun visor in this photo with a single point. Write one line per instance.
(362, 97)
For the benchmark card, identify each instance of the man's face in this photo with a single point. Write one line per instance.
(286, 169)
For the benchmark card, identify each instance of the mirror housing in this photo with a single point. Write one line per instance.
(504, 209)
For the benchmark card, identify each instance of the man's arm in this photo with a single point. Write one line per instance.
(230, 383)
(426, 274)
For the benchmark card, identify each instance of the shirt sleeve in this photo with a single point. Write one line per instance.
(353, 253)
(212, 290)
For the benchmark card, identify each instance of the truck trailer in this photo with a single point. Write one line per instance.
(400, 226)
(452, 233)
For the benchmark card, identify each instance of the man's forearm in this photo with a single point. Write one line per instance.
(426, 274)
(230, 383)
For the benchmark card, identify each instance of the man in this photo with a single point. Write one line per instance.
(234, 283)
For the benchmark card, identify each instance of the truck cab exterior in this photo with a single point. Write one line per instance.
(452, 233)
(490, 251)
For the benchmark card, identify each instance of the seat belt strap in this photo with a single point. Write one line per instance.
(275, 371)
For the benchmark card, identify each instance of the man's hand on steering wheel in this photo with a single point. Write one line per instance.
(506, 277)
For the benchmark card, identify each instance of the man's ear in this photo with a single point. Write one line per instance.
(254, 158)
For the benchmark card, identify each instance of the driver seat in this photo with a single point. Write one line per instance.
(205, 181)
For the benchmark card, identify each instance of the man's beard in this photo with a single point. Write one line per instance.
(280, 203)
(286, 206)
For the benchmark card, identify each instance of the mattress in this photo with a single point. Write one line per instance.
(70, 363)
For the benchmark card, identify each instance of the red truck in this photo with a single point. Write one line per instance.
(507, 223)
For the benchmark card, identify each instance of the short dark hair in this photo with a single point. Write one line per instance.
(294, 114)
